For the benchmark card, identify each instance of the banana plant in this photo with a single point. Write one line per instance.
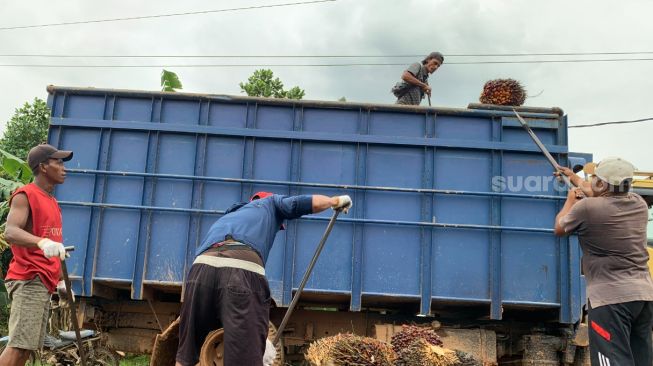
(15, 173)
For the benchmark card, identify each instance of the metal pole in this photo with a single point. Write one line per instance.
(73, 308)
(295, 298)
(544, 150)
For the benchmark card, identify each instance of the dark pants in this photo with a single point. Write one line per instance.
(234, 299)
(620, 334)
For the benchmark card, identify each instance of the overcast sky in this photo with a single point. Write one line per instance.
(587, 92)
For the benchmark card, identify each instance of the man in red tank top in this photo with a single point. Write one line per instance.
(34, 231)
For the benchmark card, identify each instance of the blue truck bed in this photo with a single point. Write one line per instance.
(431, 224)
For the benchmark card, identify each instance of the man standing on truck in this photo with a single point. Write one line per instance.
(611, 225)
(226, 286)
(34, 231)
(414, 81)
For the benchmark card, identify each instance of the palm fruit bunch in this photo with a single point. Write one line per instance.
(503, 92)
(422, 353)
(350, 350)
(412, 333)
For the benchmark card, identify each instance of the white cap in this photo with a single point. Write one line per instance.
(614, 170)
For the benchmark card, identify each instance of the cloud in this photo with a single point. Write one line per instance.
(587, 92)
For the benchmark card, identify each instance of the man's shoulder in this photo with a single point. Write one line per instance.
(20, 196)
(631, 198)
(590, 205)
(602, 207)
(274, 200)
(591, 201)
(638, 198)
(414, 68)
(27, 188)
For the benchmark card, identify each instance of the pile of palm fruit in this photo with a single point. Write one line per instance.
(503, 92)
(421, 346)
(412, 333)
(423, 353)
(412, 346)
(350, 350)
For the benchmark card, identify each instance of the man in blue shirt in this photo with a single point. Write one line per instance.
(226, 286)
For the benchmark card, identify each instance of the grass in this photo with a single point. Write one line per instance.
(139, 360)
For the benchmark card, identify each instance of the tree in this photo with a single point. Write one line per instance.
(262, 83)
(170, 81)
(342, 99)
(295, 93)
(26, 129)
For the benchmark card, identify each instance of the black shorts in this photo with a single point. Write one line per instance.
(230, 298)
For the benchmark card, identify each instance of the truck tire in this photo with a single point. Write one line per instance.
(212, 353)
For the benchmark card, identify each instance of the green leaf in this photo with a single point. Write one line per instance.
(7, 187)
(9, 155)
(11, 167)
(295, 93)
(10, 184)
(262, 83)
(170, 81)
(16, 168)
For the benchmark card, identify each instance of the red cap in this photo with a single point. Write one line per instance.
(260, 195)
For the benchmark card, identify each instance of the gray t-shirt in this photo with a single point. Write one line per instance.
(612, 234)
(409, 93)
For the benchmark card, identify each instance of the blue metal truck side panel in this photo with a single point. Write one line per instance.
(430, 225)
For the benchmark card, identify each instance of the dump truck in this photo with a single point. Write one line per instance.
(451, 223)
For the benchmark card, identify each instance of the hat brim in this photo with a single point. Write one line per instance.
(260, 195)
(62, 154)
(589, 168)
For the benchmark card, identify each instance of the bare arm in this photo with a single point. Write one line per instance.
(411, 79)
(572, 199)
(17, 219)
(321, 203)
(579, 182)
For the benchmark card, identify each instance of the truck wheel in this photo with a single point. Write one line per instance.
(212, 353)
